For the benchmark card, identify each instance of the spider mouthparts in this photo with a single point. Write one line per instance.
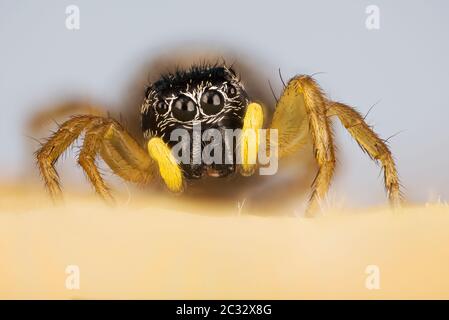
(211, 172)
(218, 171)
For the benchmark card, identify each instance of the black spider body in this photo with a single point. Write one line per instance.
(210, 95)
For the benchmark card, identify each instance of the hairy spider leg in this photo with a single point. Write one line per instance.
(107, 138)
(370, 142)
(304, 110)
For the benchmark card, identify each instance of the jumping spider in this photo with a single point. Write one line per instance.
(215, 97)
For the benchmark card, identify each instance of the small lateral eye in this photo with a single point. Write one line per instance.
(231, 91)
(184, 109)
(212, 102)
(161, 107)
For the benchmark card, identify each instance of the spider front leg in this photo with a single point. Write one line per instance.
(303, 109)
(49, 153)
(95, 132)
(107, 138)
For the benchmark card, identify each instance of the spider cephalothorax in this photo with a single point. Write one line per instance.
(210, 96)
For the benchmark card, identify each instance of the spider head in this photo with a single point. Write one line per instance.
(205, 99)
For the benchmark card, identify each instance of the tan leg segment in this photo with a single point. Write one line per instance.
(126, 157)
(370, 142)
(304, 94)
(105, 136)
(89, 151)
(50, 152)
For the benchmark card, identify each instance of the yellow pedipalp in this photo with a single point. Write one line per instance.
(168, 168)
(249, 141)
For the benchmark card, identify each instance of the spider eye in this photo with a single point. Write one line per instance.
(231, 91)
(161, 107)
(212, 102)
(184, 109)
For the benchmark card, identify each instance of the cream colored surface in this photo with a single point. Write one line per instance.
(150, 248)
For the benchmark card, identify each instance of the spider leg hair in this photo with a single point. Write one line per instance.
(55, 146)
(370, 142)
(104, 137)
(303, 109)
(300, 114)
(86, 159)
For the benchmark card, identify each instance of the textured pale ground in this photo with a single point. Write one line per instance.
(151, 249)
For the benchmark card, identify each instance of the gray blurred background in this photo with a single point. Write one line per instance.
(404, 66)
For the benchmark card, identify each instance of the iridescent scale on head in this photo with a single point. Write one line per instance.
(209, 94)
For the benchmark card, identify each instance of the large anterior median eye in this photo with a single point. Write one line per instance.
(184, 109)
(212, 102)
